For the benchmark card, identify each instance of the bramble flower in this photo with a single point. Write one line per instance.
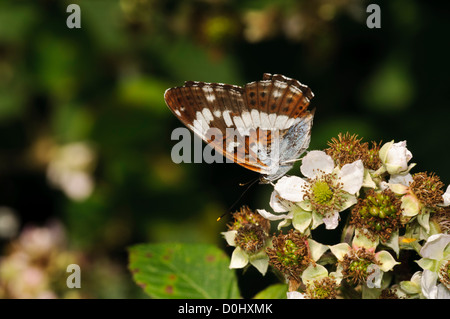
(34, 264)
(422, 195)
(279, 205)
(446, 197)
(395, 158)
(428, 189)
(387, 205)
(318, 199)
(319, 284)
(357, 263)
(435, 263)
(347, 149)
(379, 214)
(249, 234)
(71, 169)
(292, 254)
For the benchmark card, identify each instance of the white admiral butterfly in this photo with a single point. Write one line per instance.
(264, 126)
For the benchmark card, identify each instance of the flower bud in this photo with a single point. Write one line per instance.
(395, 157)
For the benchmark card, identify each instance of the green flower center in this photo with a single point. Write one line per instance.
(322, 192)
(378, 205)
(322, 289)
(288, 256)
(379, 213)
(359, 266)
(356, 265)
(251, 238)
(322, 293)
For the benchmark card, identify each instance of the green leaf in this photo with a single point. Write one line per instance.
(277, 291)
(179, 271)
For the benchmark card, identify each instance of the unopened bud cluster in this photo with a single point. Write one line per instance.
(378, 212)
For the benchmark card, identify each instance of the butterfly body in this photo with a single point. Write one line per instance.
(264, 126)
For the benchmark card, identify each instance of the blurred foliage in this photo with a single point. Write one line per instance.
(178, 271)
(102, 87)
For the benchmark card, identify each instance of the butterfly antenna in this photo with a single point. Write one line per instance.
(250, 184)
(250, 181)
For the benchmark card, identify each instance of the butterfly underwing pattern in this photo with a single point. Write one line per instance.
(264, 126)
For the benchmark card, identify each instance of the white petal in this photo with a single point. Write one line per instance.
(264, 213)
(352, 176)
(314, 272)
(428, 284)
(340, 250)
(306, 205)
(230, 236)
(301, 219)
(350, 200)
(291, 188)
(397, 188)
(410, 205)
(317, 220)
(239, 259)
(315, 161)
(384, 151)
(427, 263)
(399, 154)
(392, 242)
(317, 249)
(424, 220)
(386, 260)
(337, 275)
(435, 245)
(332, 221)
(442, 292)
(383, 186)
(401, 179)
(417, 277)
(260, 261)
(285, 223)
(412, 286)
(278, 204)
(367, 180)
(295, 295)
(397, 158)
(394, 168)
(446, 196)
(361, 240)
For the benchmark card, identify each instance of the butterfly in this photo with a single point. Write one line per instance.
(264, 126)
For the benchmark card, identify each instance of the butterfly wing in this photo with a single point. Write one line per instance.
(293, 144)
(252, 120)
(211, 108)
(280, 104)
